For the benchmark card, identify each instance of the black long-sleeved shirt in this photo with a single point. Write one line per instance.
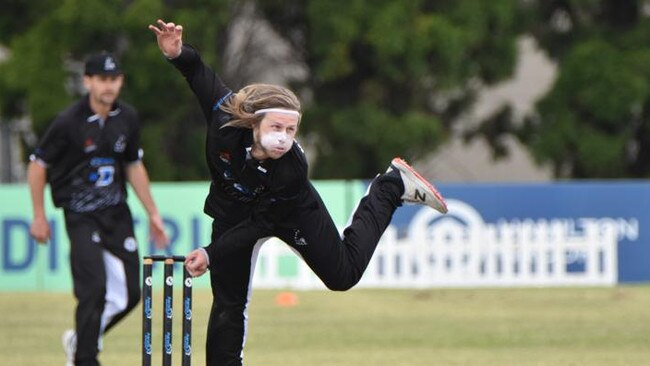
(86, 156)
(241, 185)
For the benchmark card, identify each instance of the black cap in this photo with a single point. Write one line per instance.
(102, 64)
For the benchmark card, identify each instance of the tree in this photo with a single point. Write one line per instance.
(384, 77)
(44, 70)
(391, 77)
(595, 122)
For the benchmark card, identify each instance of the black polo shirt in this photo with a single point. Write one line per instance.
(85, 156)
(240, 183)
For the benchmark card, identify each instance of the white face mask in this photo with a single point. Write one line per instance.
(276, 140)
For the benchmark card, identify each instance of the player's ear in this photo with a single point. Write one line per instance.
(87, 81)
(120, 80)
(255, 125)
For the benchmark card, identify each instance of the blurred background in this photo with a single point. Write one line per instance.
(531, 116)
(471, 91)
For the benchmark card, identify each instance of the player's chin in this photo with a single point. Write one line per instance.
(277, 153)
(108, 98)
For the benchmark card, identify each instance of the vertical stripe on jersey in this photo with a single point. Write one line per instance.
(254, 255)
(347, 225)
(116, 291)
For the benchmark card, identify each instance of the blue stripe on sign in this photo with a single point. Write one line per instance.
(220, 101)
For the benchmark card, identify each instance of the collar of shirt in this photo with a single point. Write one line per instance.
(94, 117)
(258, 165)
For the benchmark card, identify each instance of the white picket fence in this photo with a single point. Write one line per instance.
(460, 250)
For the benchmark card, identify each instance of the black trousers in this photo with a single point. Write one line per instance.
(338, 262)
(105, 268)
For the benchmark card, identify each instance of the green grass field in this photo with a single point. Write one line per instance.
(562, 326)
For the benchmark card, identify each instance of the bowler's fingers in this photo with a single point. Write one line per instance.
(189, 270)
(169, 27)
(162, 26)
(155, 30)
(194, 269)
(195, 264)
(158, 30)
(173, 28)
(199, 271)
(189, 259)
(165, 28)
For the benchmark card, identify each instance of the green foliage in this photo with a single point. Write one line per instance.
(43, 72)
(385, 77)
(595, 122)
(380, 68)
(377, 70)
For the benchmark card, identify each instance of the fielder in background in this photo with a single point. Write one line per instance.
(260, 189)
(87, 154)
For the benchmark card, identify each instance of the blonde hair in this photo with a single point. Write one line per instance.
(251, 98)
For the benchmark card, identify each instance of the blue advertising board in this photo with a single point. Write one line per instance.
(571, 206)
(572, 233)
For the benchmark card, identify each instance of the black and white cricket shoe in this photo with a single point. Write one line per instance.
(418, 190)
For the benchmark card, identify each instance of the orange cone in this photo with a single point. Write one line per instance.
(286, 299)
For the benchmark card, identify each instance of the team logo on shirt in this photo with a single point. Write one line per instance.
(225, 157)
(241, 188)
(89, 145)
(120, 144)
(298, 238)
(259, 189)
(95, 237)
(130, 244)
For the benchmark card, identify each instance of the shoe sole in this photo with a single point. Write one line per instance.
(403, 167)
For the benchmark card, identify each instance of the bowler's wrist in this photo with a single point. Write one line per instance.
(175, 55)
(205, 254)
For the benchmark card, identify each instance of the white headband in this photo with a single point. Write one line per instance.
(278, 110)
